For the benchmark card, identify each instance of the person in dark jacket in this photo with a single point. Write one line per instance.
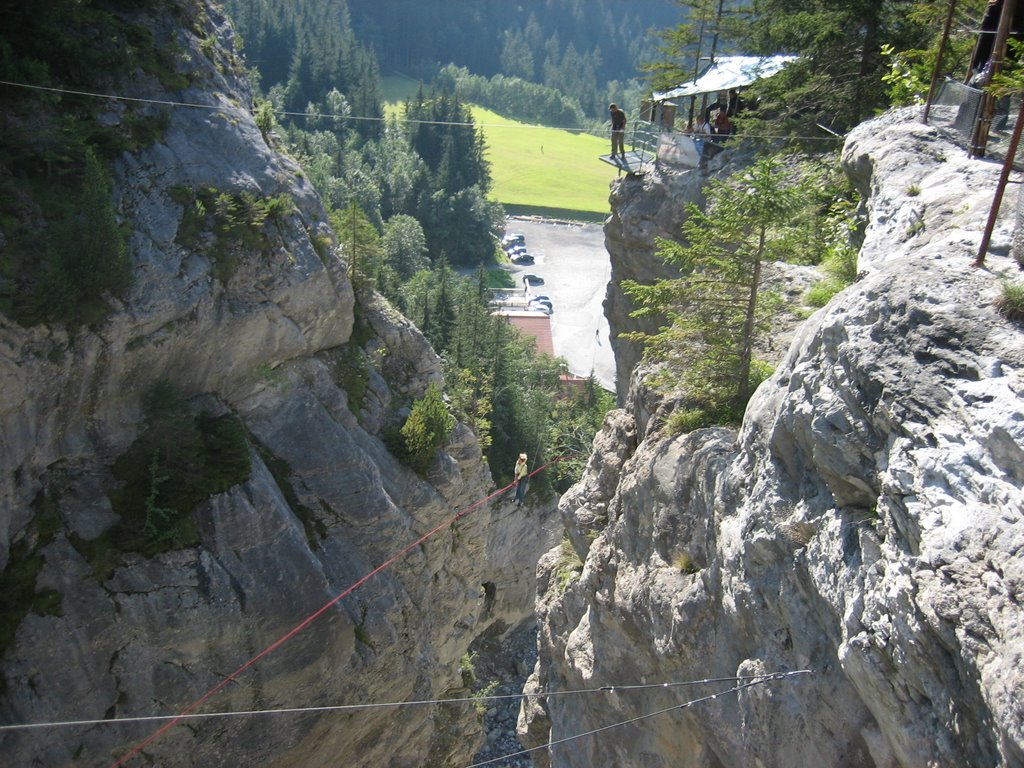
(618, 130)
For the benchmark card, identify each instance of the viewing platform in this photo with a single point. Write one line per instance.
(633, 161)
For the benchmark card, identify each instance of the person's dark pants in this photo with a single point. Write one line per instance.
(619, 140)
(520, 491)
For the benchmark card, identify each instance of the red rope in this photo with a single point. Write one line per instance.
(309, 620)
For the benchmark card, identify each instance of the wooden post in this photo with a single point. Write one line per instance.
(997, 200)
(938, 61)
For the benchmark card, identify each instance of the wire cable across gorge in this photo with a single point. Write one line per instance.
(759, 680)
(313, 617)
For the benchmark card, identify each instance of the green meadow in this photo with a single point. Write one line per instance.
(546, 171)
(536, 170)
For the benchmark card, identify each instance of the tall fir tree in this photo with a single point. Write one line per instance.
(716, 311)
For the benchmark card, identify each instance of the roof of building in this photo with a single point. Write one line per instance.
(727, 72)
(535, 324)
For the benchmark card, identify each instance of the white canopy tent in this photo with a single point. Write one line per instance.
(728, 72)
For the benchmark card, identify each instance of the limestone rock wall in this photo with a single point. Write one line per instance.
(325, 503)
(865, 523)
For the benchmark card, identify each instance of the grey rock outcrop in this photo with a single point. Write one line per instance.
(325, 504)
(866, 523)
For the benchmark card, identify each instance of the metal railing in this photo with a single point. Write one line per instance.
(644, 139)
(957, 110)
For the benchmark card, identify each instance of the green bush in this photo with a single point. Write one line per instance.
(467, 669)
(425, 431)
(684, 563)
(18, 593)
(569, 565)
(821, 293)
(760, 371)
(352, 372)
(265, 118)
(85, 259)
(235, 219)
(688, 419)
(1010, 303)
(709, 411)
(178, 461)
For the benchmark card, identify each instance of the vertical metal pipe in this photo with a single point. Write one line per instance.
(997, 200)
(938, 61)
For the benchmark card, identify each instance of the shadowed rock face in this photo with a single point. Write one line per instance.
(866, 522)
(268, 342)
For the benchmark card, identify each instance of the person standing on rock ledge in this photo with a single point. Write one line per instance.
(519, 477)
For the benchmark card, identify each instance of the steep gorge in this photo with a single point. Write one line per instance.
(865, 523)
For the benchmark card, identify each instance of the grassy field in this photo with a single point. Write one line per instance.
(546, 171)
(394, 89)
(536, 170)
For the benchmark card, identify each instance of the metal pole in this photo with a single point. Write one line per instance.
(997, 200)
(938, 61)
(987, 106)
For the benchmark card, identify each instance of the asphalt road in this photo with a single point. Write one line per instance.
(575, 266)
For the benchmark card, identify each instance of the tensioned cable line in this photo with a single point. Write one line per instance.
(735, 689)
(371, 705)
(311, 618)
(217, 107)
(327, 116)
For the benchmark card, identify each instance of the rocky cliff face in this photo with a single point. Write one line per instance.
(866, 523)
(272, 343)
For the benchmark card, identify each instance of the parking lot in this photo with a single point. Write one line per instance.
(572, 260)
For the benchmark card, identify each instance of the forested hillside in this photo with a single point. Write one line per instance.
(575, 46)
(305, 48)
(524, 39)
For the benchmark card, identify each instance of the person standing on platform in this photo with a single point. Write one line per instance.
(618, 130)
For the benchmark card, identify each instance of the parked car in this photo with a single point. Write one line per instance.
(512, 250)
(531, 279)
(523, 259)
(513, 238)
(540, 306)
(540, 297)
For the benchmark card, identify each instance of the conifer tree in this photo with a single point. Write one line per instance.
(837, 81)
(716, 310)
(426, 430)
(102, 257)
(358, 244)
